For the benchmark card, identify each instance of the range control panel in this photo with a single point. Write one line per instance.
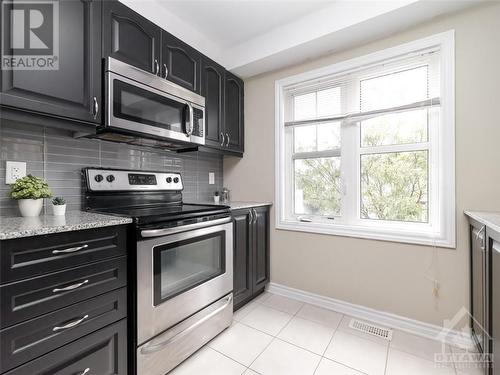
(123, 180)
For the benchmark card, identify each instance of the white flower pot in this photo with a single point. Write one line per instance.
(59, 209)
(30, 207)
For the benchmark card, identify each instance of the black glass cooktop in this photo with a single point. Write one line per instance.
(158, 213)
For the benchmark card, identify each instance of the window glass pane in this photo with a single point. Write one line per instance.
(328, 136)
(304, 106)
(328, 102)
(317, 186)
(394, 186)
(305, 138)
(394, 89)
(395, 128)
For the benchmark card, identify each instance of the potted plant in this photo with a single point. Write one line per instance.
(59, 206)
(29, 192)
(216, 197)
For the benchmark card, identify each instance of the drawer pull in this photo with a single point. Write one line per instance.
(70, 250)
(70, 287)
(69, 325)
(85, 371)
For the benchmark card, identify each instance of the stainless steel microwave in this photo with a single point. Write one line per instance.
(143, 105)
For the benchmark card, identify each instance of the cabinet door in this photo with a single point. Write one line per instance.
(478, 287)
(260, 248)
(233, 123)
(242, 259)
(103, 352)
(74, 89)
(131, 38)
(212, 88)
(495, 305)
(181, 64)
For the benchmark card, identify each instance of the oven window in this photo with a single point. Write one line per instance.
(183, 265)
(135, 104)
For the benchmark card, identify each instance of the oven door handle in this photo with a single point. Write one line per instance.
(183, 228)
(153, 348)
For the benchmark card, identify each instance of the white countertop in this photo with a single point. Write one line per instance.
(490, 219)
(17, 227)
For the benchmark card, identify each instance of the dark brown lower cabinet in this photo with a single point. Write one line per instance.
(103, 352)
(251, 253)
(485, 292)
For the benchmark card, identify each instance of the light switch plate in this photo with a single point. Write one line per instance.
(14, 170)
(211, 178)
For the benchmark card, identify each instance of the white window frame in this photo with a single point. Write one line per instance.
(442, 232)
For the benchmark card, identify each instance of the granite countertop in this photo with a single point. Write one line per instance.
(236, 205)
(490, 219)
(17, 227)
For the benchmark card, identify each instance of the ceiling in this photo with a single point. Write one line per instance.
(234, 22)
(254, 37)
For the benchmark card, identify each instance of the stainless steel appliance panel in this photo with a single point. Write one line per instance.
(166, 351)
(158, 311)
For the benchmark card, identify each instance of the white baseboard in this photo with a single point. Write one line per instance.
(380, 317)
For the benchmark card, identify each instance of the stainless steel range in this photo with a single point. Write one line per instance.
(183, 257)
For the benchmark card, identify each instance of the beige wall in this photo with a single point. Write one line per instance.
(383, 275)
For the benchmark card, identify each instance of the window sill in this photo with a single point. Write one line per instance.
(372, 233)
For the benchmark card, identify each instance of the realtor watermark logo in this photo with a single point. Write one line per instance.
(464, 354)
(30, 35)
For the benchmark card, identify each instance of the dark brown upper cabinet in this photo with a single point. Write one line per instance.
(74, 89)
(233, 122)
(212, 88)
(130, 38)
(180, 63)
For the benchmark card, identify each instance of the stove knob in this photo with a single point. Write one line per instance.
(176, 179)
(110, 178)
(169, 179)
(98, 177)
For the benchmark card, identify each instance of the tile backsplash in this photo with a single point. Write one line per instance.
(59, 158)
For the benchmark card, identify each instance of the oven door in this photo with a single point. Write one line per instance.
(180, 274)
(138, 108)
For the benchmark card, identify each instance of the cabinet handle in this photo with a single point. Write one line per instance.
(157, 67)
(227, 141)
(254, 215)
(69, 325)
(70, 287)
(95, 108)
(70, 250)
(250, 213)
(166, 71)
(85, 371)
(222, 136)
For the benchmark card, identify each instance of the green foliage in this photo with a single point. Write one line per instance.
(319, 180)
(394, 186)
(30, 187)
(58, 201)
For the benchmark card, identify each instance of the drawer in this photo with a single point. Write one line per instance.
(22, 258)
(30, 298)
(103, 353)
(23, 342)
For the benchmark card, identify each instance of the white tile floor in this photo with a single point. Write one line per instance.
(275, 335)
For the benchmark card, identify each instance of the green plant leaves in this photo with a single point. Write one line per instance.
(30, 187)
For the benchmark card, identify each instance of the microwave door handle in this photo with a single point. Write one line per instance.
(189, 124)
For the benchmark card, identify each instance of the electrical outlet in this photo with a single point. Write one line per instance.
(211, 178)
(14, 170)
